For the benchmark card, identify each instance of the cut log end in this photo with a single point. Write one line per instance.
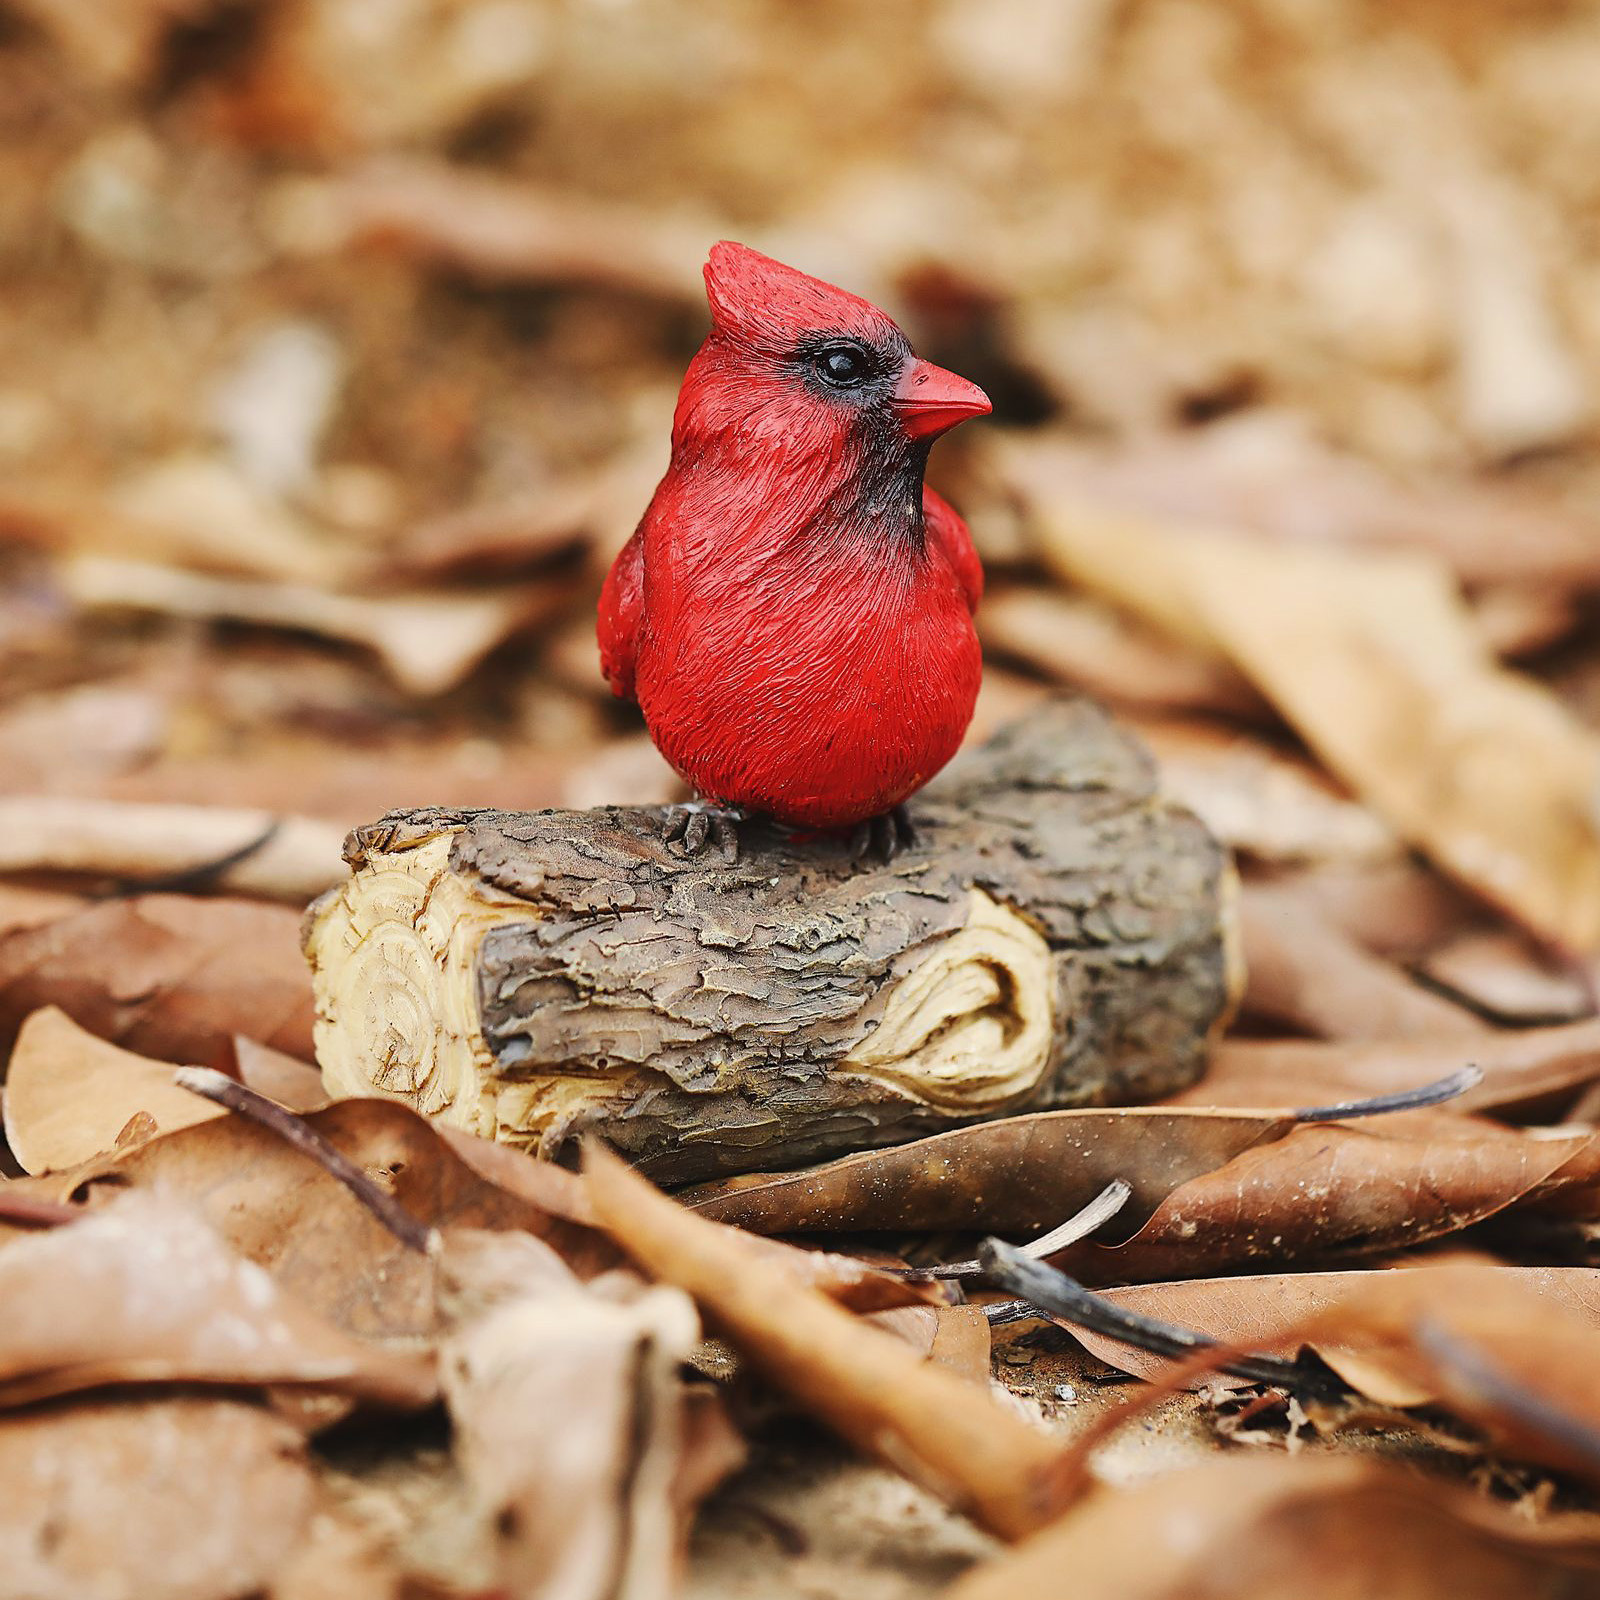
(1060, 935)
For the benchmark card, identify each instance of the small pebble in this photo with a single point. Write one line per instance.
(1066, 1394)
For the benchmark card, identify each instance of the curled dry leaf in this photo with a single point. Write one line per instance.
(866, 1385)
(1333, 1191)
(428, 642)
(170, 1499)
(1521, 1068)
(1256, 1527)
(1020, 1174)
(278, 858)
(68, 1095)
(143, 1291)
(569, 1418)
(167, 975)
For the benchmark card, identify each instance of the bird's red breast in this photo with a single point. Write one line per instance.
(794, 613)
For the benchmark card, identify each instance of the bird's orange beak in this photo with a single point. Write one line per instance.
(928, 400)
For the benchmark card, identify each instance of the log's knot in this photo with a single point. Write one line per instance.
(968, 1029)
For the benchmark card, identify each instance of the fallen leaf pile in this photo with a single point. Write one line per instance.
(340, 350)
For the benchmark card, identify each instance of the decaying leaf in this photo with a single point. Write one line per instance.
(166, 1499)
(143, 1291)
(68, 1095)
(569, 1418)
(1021, 1174)
(169, 976)
(1261, 1527)
(865, 1384)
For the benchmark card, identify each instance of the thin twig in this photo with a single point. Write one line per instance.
(1065, 1300)
(1079, 1225)
(1428, 1094)
(296, 1132)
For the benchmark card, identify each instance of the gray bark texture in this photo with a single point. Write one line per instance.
(708, 1017)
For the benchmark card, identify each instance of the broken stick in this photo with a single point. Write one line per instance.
(1059, 935)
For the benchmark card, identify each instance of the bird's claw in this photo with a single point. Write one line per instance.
(883, 836)
(694, 822)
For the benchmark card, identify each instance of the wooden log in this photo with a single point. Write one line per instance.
(1059, 935)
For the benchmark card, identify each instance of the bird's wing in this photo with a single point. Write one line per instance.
(621, 601)
(949, 533)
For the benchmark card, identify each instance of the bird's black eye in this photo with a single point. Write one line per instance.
(844, 366)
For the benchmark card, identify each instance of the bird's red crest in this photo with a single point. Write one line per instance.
(764, 303)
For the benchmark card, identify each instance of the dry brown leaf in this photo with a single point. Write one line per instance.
(1020, 1174)
(1261, 800)
(1503, 976)
(1255, 473)
(1264, 1313)
(1528, 1066)
(569, 1421)
(278, 1076)
(115, 839)
(142, 1291)
(493, 227)
(1260, 1527)
(31, 908)
(169, 976)
(953, 1337)
(1508, 1349)
(1081, 641)
(866, 1385)
(279, 1209)
(1375, 663)
(68, 1095)
(1304, 972)
(428, 642)
(1330, 1191)
(170, 1499)
(1373, 658)
(848, 1279)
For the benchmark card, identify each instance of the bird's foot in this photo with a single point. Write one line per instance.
(883, 836)
(693, 822)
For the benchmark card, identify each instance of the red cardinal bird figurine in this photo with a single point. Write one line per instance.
(794, 613)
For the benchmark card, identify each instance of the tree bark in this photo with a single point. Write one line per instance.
(1058, 935)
